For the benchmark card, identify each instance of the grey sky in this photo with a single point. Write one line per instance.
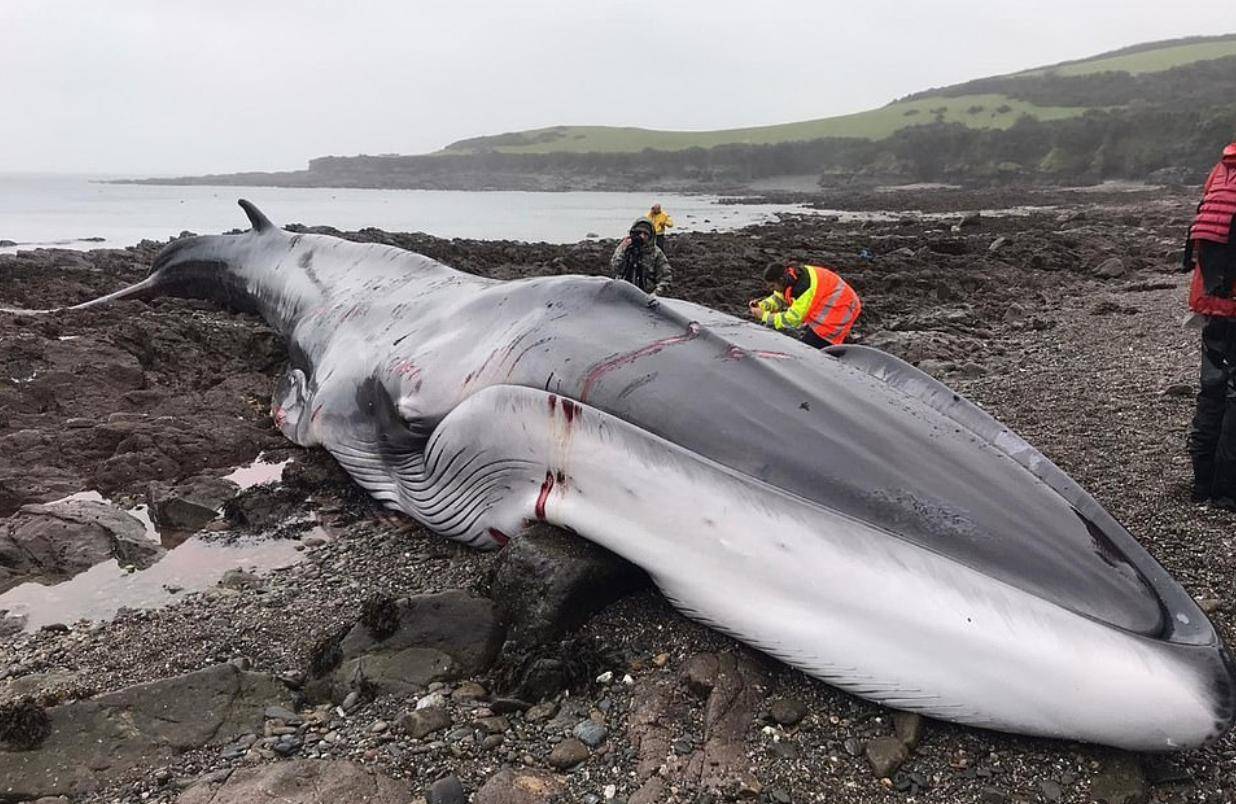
(163, 86)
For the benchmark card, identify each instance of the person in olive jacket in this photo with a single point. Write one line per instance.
(638, 260)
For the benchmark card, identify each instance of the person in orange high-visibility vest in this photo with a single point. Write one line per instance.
(810, 301)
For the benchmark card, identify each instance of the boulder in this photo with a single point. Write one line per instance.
(426, 638)
(301, 781)
(263, 507)
(54, 542)
(1111, 268)
(99, 739)
(548, 581)
(187, 506)
(524, 786)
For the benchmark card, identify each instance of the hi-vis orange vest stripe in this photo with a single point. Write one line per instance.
(834, 306)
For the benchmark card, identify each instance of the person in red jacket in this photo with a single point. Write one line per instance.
(1211, 253)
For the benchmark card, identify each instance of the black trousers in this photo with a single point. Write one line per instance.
(1212, 438)
(661, 242)
(813, 340)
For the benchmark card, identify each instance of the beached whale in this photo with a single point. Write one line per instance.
(841, 511)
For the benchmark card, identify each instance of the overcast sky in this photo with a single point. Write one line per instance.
(180, 86)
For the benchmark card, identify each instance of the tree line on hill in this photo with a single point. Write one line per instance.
(1134, 143)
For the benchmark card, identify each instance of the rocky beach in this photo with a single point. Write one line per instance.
(331, 651)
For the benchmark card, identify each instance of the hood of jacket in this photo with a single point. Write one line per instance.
(646, 225)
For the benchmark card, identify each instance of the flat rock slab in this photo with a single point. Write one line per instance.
(94, 740)
(434, 638)
(302, 781)
(1121, 781)
(549, 581)
(53, 542)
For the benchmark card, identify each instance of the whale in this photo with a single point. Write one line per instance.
(837, 509)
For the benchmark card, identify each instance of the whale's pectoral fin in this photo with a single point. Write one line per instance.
(289, 407)
(360, 425)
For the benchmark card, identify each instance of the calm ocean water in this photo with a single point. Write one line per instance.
(44, 210)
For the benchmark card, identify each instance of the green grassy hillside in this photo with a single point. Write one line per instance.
(979, 111)
(1146, 61)
(986, 104)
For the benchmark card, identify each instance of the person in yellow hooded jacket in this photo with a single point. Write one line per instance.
(660, 222)
(810, 301)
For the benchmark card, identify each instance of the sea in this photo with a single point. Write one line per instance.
(84, 212)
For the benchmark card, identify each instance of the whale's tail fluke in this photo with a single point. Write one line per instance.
(257, 220)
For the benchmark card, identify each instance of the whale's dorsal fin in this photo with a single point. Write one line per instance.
(257, 220)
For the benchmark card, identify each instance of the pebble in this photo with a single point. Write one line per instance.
(909, 728)
(504, 705)
(591, 733)
(886, 754)
(788, 711)
(470, 691)
(494, 725)
(568, 754)
(784, 749)
(447, 790)
(434, 700)
(292, 678)
(542, 711)
(423, 722)
(280, 713)
(1051, 791)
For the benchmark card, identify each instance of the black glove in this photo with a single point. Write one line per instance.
(1187, 263)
